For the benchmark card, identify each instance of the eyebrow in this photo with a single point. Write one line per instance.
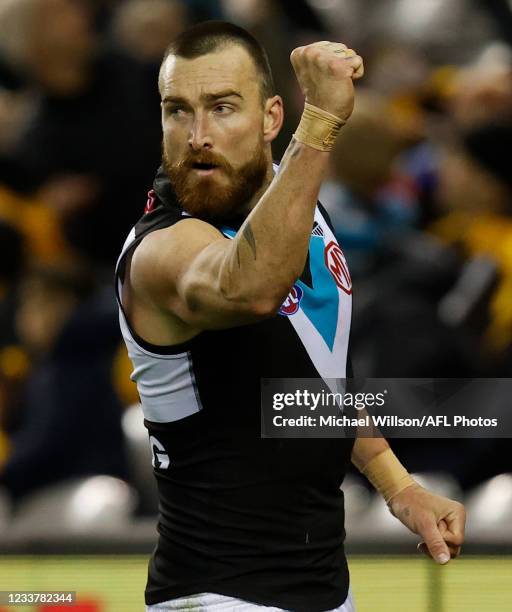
(208, 97)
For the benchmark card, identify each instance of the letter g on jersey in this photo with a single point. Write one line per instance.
(160, 458)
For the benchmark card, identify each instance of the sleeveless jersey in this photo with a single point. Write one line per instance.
(255, 518)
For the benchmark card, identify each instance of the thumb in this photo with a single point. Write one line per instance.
(435, 543)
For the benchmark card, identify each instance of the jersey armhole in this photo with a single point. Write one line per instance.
(157, 349)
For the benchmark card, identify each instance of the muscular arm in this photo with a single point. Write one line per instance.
(192, 272)
(211, 282)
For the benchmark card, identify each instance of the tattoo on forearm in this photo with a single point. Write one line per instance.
(295, 149)
(292, 151)
(249, 236)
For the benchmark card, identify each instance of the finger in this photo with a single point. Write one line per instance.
(435, 543)
(343, 53)
(356, 63)
(452, 541)
(454, 550)
(359, 68)
(456, 523)
(295, 54)
(328, 43)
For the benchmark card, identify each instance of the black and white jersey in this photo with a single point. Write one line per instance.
(255, 518)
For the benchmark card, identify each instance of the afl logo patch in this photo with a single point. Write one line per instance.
(291, 305)
(337, 266)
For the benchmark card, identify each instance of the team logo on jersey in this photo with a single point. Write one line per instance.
(160, 458)
(150, 204)
(317, 230)
(292, 303)
(337, 265)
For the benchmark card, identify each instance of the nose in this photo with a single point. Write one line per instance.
(200, 137)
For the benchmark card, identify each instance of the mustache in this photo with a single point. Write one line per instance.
(204, 158)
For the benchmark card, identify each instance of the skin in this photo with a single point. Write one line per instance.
(439, 521)
(213, 103)
(216, 283)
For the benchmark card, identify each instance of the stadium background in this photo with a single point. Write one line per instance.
(420, 195)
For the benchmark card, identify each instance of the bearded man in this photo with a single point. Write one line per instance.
(233, 275)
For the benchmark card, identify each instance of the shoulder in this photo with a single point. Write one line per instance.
(165, 253)
(178, 239)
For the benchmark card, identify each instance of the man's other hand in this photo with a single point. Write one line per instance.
(438, 520)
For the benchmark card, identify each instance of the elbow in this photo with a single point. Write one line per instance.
(255, 303)
(267, 304)
(264, 308)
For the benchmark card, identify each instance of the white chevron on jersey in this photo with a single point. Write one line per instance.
(330, 364)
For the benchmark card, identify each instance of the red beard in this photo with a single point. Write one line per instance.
(203, 196)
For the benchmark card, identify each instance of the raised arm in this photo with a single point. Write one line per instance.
(210, 282)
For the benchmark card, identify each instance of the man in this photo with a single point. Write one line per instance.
(203, 282)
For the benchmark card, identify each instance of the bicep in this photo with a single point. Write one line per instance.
(183, 270)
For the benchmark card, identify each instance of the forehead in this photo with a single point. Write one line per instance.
(230, 67)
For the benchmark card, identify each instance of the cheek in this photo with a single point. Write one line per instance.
(174, 144)
(242, 140)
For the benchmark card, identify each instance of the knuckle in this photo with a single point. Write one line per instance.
(311, 51)
(296, 53)
(459, 509)
(354, 61)
(429, 524)
(338, 67)
(333, 65)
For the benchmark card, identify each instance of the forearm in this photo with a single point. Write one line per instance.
(365, 449)
(374, 458)
(222, 283)
(273, 242)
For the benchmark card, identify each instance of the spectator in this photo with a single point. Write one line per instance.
(367, 201)
(95, 136)
(68, 420)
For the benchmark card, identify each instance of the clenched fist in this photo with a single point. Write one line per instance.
(326, 71)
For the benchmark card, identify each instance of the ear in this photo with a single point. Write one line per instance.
(273, 115)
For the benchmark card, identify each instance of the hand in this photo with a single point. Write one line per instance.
(438, 520)
(326, 71)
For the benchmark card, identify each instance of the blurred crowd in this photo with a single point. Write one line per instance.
(419, 191)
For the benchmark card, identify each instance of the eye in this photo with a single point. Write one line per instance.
(175, 111)
(222, 109)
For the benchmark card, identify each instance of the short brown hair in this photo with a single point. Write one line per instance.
(210, 36)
